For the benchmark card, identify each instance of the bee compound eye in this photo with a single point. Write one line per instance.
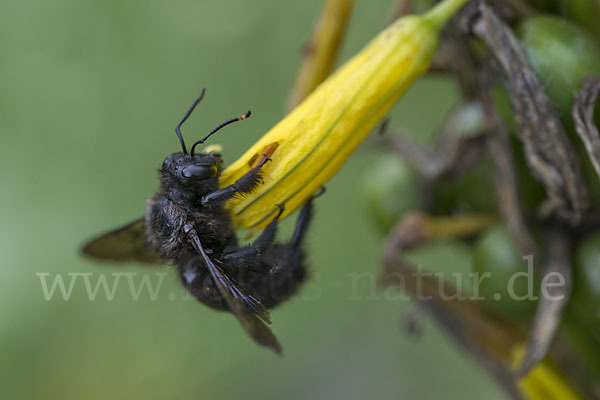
(199, 171)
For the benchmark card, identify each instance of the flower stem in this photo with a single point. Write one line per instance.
(441, 13)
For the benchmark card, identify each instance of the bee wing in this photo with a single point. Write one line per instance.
(253, 316)
(127, 243)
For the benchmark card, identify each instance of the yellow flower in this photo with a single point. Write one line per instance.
(543, 382)
(311, 143)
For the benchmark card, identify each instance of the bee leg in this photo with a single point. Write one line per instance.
(245, 184)
(245, 256)
(287, 272)
(285, 262)
(304, 219)
(289, 256)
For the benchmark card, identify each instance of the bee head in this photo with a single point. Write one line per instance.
(187, 169)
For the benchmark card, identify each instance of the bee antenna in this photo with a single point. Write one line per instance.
(221, 125)
(185, 117)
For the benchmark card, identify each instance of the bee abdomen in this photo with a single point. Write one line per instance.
(199, 283)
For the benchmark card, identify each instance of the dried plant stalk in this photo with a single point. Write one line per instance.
(550, 307)
(401, 8)
(488, 340)
(322, 49)
(505, 180)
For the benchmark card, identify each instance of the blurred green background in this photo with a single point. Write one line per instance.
(90, 93)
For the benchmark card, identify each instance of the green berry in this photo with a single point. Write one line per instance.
(389, 189)
(503, 273)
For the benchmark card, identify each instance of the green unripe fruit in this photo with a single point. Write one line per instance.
(507, 280)
(561, 54)
(389, 189)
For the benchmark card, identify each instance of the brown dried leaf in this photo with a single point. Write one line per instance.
(547, 148)
(583, 114)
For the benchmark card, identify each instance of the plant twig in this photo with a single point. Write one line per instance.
(551, 303)
(401, 8)
(505, 176)
(457, 149)
(511, 10)
(486, 339)
(423, 160)
(322, 49)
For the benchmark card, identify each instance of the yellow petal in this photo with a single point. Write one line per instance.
(544, 382)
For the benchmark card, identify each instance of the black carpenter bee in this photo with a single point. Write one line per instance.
(186, 223)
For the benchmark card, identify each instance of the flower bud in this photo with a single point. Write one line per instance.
(310, 144)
